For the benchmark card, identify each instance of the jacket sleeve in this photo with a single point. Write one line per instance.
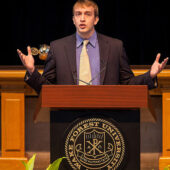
(127, 77)
(36, 80)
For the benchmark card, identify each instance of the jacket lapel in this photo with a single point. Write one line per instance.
(104, 49)
(70, 49)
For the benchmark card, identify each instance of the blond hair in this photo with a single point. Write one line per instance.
(87, 3)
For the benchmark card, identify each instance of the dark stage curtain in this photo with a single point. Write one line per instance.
(143, 25)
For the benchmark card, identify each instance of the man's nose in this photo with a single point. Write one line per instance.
(82, 18)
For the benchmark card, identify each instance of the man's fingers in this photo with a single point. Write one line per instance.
(20, 53)
(158, 57)
(29, 50)
(166, 59)
(164, 62)
(21, 56)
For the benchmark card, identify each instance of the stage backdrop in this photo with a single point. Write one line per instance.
(142, 25)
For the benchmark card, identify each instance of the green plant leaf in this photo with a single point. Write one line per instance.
(30, 164)
(167, 168)
(25, 164)
(49, 167)
(55, 165)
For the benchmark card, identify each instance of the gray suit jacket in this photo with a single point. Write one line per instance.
(60, 66)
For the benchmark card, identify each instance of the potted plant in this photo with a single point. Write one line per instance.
(54, 166)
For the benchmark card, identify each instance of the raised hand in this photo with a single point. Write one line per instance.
(27, 60)
(158, 67)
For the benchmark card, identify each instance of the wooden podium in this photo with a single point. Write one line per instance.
(92, 97)
(11, 81)
(100, 98)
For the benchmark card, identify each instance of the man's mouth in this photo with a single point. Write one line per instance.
(82, 26)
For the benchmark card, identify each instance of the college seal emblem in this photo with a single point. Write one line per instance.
(95, 143)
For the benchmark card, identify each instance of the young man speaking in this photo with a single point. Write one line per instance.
(87, 57)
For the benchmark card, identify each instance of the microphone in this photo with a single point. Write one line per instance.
(97, 75)
(90, 82)
(82, 81)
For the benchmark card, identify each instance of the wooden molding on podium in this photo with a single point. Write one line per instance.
(92, 97)
(164, 160)
(13, 131)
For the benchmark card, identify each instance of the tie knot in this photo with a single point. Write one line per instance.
(85, 42)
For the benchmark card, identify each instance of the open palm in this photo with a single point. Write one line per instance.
(27, 60)
(158, 67)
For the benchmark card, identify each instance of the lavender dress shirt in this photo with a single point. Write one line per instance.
(94, 56)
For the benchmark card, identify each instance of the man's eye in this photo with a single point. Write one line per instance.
(88, 14)
(78, 14)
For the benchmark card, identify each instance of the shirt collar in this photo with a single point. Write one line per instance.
(92, 40)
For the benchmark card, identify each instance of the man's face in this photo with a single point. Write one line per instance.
(84, 20)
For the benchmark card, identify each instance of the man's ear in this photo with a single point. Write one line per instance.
(73, 20)
(96, 20)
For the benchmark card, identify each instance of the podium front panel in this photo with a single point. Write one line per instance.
(96, 144)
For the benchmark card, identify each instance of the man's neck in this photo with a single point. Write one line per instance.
(86, 35)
